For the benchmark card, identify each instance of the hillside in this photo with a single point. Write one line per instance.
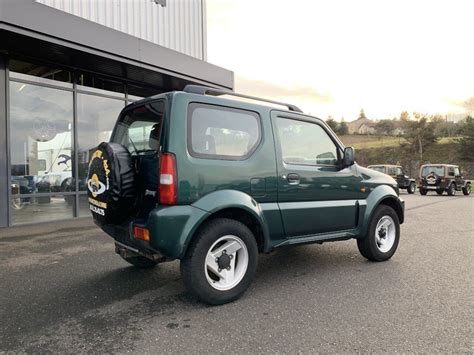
(388, 150)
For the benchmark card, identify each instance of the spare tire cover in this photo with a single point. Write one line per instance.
(111, 184)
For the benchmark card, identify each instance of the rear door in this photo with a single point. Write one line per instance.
(314, 194)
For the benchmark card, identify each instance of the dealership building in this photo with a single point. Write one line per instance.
(67, 68)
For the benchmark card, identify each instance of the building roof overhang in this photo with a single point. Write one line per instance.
(31, 29)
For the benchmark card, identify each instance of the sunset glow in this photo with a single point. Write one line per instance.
(336, 57)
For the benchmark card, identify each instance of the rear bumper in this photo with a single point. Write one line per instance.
(170, 227)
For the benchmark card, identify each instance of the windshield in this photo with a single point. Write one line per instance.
(139, 129)
(438, 170)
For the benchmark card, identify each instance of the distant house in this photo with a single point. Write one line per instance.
(362, 125)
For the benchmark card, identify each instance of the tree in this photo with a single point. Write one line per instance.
(343, 128)
(361, 114)
(466, 143)
(331, 122)
(419, 133)
(385, 127)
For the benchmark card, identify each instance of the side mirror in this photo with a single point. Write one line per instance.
(348, 158)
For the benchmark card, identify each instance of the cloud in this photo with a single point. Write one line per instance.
(274, 91)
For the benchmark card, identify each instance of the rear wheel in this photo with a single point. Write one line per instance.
(452, 190)
(383, 235)
(411, 188)
(466, 190)
(423, 191)
(221, 262)
(140, 261)
(439, 192)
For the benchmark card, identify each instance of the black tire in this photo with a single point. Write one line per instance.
(452, 190)
(411, 188)
(140, 262)
(193, 268)
(466, 190)
(439, 192)
(368, 246)
(423, 191)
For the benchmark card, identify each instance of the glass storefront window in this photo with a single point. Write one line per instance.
(41, 121)
(137, 92)
(96, 117)
(41, 209)
(40, 73)
(91, 83)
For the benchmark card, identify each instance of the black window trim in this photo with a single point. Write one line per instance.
(195, 104)
(316, 121)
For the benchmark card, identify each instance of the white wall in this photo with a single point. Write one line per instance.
(180, 25)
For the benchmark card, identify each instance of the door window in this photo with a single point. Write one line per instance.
(305, 143)
(457, 172)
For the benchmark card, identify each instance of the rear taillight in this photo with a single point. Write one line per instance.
(141, 233)
(168, 189)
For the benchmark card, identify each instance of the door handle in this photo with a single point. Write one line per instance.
(293, 179)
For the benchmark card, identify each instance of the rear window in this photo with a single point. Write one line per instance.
(438, 170)
(139, 128)
(216, 132)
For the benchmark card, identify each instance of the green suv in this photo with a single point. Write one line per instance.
(199, 176)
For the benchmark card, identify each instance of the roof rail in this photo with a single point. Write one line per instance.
(205, 90)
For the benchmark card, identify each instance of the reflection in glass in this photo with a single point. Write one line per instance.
(40, 73)
(41, 138)
(96, 118)
(41, 209)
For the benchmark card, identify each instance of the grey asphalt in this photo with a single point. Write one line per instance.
(67, 291)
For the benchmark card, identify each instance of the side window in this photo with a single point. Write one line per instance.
(399, 171)
(450, 171)
(457, 172)
(305, 143)
(217, 132)
(378, 168)
(392, 171)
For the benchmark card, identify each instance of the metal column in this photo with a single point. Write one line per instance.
(4, 184)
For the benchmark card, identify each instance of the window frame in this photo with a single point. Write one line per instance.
(192, 106)
(311, 120)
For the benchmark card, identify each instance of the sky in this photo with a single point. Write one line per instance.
(336, 57)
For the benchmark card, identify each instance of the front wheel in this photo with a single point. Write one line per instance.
(383, 235)
(411, 188)
(423, 191)
(466, 190)
(221, 261)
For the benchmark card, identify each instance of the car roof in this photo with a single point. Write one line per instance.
(388, 165)
(439, 165)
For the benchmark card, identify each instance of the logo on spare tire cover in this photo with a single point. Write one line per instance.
(98, 182)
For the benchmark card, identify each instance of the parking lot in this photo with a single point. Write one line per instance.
(67, 291)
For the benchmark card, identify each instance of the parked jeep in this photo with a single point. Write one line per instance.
(214, 181)
(441, 178)
(396, 171)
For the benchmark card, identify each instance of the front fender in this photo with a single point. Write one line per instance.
(376, 197)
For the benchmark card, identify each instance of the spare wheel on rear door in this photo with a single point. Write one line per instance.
(111, 184)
